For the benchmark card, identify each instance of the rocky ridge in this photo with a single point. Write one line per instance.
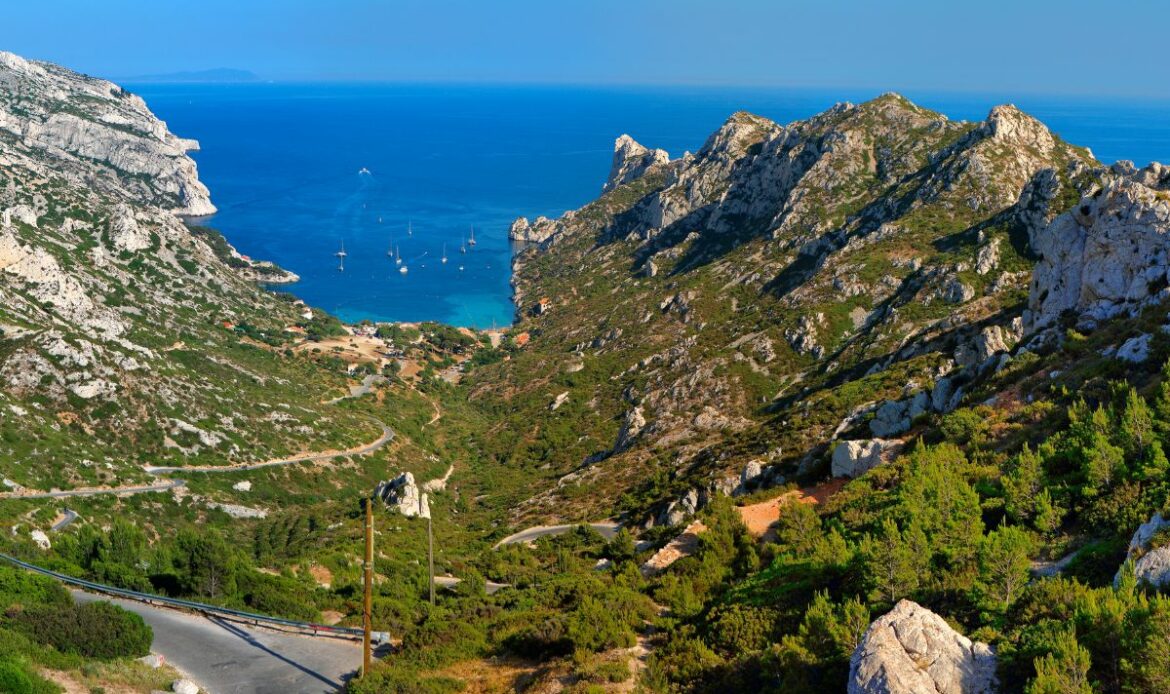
(757, 287)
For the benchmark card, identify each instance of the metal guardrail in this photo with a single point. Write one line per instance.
(316, 629)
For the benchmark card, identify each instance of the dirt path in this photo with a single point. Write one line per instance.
(386, 437)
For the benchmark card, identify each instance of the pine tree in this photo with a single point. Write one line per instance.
(1003, 566)
(1136, 424)
(1063, 671)
(894, 561)
(1022, 484)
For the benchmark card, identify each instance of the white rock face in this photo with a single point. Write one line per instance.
(911, 650)
(896, 416)
(538, 231)
(243, 486)
(630, 161)
(403, 494)
(1135, 350)
(1107, 256)
(110, 128)
(632, 425)
(1149, 565)
(854, 458)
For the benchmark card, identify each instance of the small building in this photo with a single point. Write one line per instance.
(542, 306)
(521, 339)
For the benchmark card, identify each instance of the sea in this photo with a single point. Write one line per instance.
(301, 170)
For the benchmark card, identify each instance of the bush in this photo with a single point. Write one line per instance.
(95, 630)
(17, 678)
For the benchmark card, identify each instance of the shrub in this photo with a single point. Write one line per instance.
(95, 630)
(17, 678)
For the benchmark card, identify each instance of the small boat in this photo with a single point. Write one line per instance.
(363, 171)
(409, 231)
(471, 241)
(460, 268)
(444, 259)
(397, 257)
(463, 245)
(341, 257)
(402, 269)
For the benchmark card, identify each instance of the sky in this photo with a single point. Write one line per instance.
(1031, 46)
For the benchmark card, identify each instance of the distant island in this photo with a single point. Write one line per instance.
(219, 74)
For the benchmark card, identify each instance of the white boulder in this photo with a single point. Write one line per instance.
(911, 650)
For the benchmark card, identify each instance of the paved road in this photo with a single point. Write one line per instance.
(490, 587)
(69, 517)
(607, 529)
(160, 487)
(227, 658)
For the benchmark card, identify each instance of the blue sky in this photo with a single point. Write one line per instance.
(1041, 46)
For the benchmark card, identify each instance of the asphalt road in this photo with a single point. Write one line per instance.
(607, 529)
(160, 487)
(228, 658)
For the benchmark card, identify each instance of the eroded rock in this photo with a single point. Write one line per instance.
(911, 650)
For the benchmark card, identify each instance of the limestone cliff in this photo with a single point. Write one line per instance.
(117, 322)
(93, 132)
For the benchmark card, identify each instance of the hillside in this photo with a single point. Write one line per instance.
(770, 293)
(875, 400)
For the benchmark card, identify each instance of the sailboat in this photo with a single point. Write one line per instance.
(463, 245)
(409, 230)
(444, 259)
(471, 241)
(397, 256)
(341, 257)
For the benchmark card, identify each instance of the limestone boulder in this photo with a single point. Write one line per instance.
(911, 650)
(855, 458)
(1150, 564)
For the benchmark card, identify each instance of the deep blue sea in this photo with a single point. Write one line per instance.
(283, 160)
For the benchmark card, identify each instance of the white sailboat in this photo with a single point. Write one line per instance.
(471, 241)
(409, 230)
(397, 256)
(444, 259)
(341, 257)
(463, 245)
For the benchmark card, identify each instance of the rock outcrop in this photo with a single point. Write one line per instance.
(1150, 565)
(630, 161)
(104, 126)
(854, 458)
(403, 495)
(538, 231)
(1109, 255)
(911, 650)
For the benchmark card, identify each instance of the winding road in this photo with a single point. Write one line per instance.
(607, 529)
(226, 657)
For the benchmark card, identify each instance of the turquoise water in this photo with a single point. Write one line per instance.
(283, 160)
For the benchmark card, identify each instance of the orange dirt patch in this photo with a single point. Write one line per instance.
(682, 546)
(759, 518)
(322, 575)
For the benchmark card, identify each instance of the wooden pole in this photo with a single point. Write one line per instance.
(431, 558)
(367, 603)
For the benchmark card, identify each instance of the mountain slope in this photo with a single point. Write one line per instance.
(114, 350)
(771, 292)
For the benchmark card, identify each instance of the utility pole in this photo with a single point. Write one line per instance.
(431, 557)
(367, 603)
